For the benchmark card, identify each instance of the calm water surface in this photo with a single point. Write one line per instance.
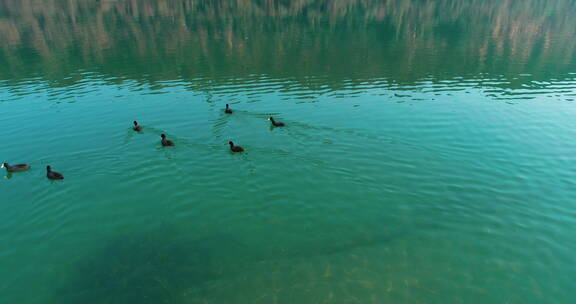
(428, 157)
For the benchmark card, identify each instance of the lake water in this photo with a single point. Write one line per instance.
(429, 153)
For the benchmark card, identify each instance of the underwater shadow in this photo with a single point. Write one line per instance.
(169, 266)
(154, 267)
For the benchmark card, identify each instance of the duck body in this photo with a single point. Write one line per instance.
(53, 175)
(228, 110)
(15, 168)
(276, 123)
(165, 142)
(137, 128)
(234, 148)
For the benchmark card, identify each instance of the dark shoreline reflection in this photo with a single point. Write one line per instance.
(218, 42)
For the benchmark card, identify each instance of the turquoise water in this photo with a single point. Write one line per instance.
(428, 155)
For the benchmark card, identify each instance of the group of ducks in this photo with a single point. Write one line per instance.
(165, 142)
(234, 148)
(23, 167)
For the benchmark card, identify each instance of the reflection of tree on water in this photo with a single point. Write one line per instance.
(400, 40)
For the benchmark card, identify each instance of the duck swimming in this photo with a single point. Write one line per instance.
(228, 110)
(53, 175)
(234, 148)
(276, 123)
(165, 142)
(15, 168)
(137, 127)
